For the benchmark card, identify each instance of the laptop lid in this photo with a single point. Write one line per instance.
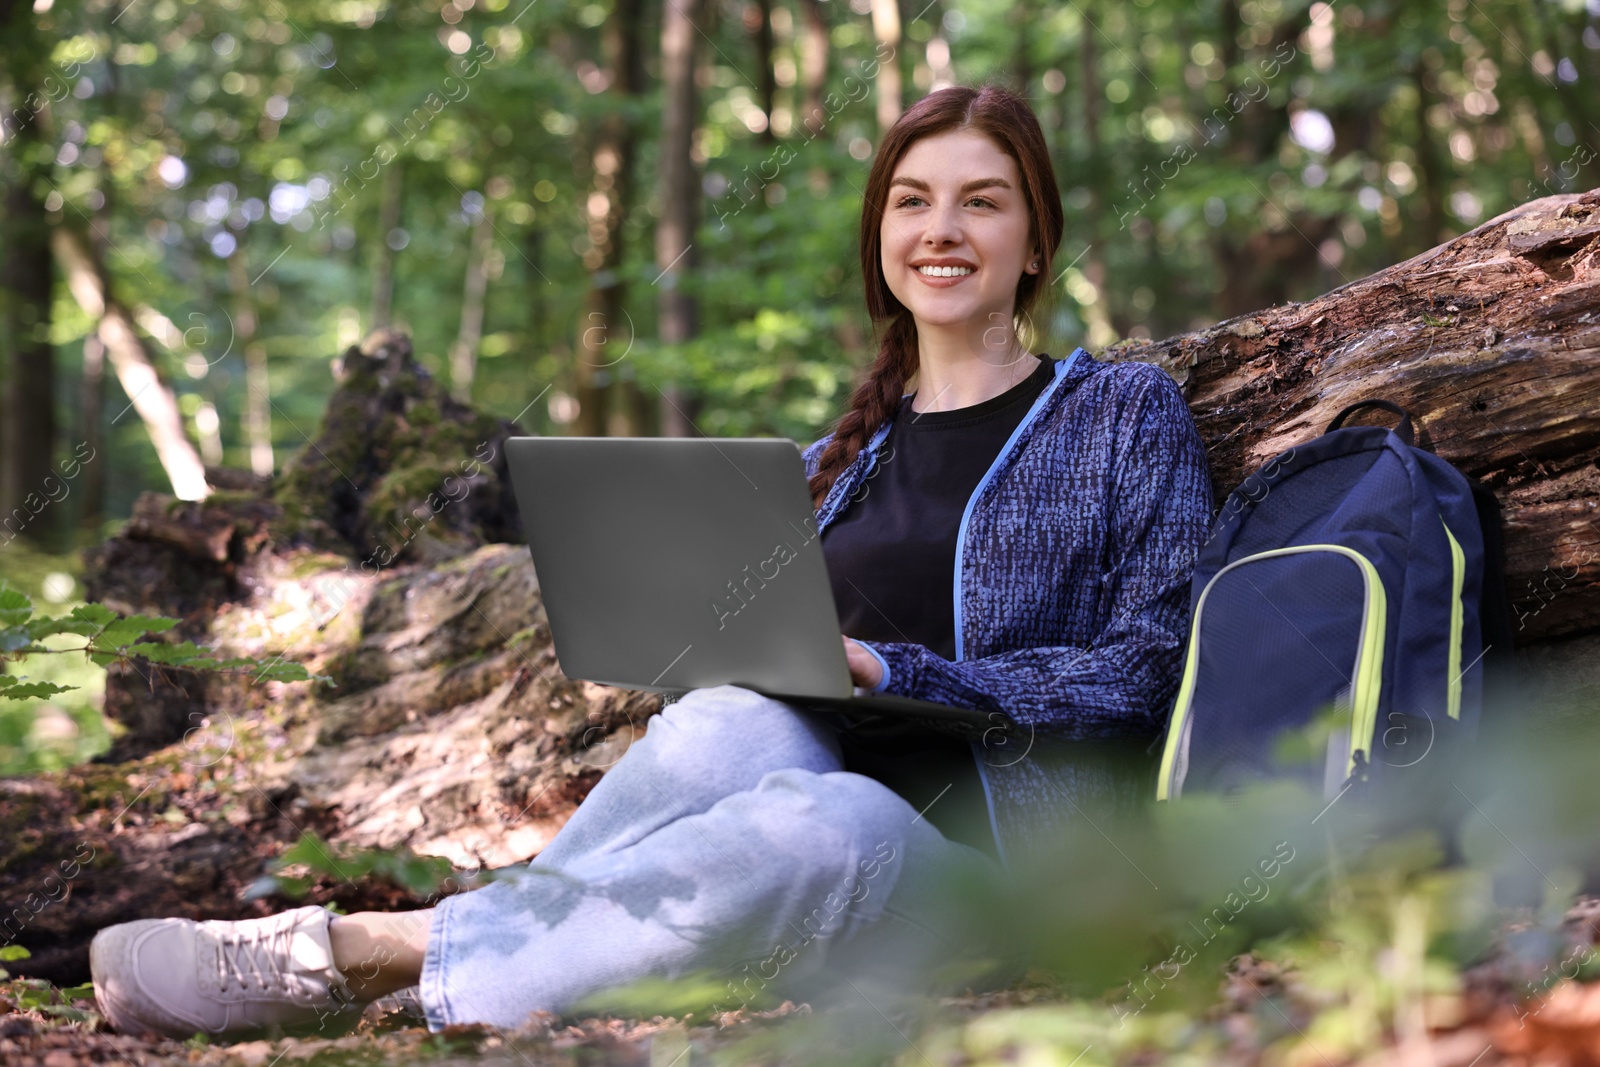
(669, 564)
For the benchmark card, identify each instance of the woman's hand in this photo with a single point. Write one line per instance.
(865, 670)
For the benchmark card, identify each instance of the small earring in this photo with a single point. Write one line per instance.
(1035, 265)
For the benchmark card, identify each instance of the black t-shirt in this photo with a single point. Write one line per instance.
(891, 557)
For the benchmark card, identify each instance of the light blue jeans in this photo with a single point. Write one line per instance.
(726, 841)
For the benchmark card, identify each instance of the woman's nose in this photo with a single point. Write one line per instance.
(943, 226)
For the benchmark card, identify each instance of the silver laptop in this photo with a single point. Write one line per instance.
(670, 564)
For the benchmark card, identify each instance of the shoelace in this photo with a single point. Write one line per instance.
(258, 955)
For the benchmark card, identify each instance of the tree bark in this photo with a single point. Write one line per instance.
(814, 44)
(258, 388)
(91, 415)
(606, 389)
(464, 353)
(1488, 340)
(27, 443)
(1096, 315)
(886, 29)
(758, 23)
(147, 393)
(679, 193)
(383, 266)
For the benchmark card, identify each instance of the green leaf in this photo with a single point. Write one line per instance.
(14, 608)
(155, 624)
(283, 671)
(277, 885)
(176, 655)
(97, 615)
(14, 952)
(66, 1011)
(122, 632)
(20, 689)
(317, 854)
(62, 624)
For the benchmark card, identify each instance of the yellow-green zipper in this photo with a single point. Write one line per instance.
(1458, 577)
(1366, 675)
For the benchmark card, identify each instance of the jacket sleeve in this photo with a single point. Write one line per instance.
(1120, 686)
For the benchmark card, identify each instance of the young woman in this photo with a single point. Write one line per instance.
(1015, 533)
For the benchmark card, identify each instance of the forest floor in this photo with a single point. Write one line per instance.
(1263, 1014)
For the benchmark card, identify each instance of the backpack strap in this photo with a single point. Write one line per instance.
(1403, 429)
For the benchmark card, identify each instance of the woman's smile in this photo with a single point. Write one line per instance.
(944, 272)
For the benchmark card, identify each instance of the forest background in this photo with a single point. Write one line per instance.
(628, 218)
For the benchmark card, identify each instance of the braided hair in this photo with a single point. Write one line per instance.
(1007, 120)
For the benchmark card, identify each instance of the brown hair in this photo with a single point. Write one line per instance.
(1007, 120)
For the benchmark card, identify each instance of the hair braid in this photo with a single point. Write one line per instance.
(871, 405)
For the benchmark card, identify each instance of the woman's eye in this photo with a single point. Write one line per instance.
(981, 201)
(906, 201)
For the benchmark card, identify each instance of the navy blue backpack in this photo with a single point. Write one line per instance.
(1345, 578)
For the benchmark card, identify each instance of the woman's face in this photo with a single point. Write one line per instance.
(955, 235)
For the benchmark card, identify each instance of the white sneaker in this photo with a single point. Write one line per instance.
(177, 976)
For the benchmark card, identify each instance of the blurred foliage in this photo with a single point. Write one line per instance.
(421, 876)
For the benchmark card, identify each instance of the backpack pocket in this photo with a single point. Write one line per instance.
(1277, 636)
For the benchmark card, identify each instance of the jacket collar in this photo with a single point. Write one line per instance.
(1067, 374)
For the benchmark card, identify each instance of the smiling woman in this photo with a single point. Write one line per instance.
(1027, 549)
(1027, 552)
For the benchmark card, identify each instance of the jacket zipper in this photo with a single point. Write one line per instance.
(1061, 369)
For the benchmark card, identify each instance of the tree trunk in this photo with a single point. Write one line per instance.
(91, 415)
(147, 393)
(941, 68)
(1094, 310)
(464, 353)
(813, 65)
(886, 29)
(28, 406)
(258, 389)
(1024, 30)
(383, 265)
(605, 385)
(680, 194)
(758, 23)
(1488, 340)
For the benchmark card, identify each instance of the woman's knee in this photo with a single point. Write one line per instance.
(729, 723)
(843, 820)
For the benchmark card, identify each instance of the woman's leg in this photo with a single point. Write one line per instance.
(712, 743)
(766, 879)
(379, 952)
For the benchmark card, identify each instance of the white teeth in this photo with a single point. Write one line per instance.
(944, 272)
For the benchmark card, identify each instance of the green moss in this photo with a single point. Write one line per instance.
(229, 497)
(306, 564)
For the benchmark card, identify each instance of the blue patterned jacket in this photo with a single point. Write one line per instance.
(1071, 588)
